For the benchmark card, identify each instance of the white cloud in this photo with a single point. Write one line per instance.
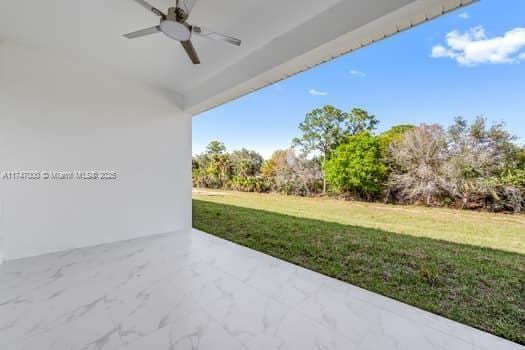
(315, 92)
(475, 47)
(464, 15)
(357, 73)
(522, 56)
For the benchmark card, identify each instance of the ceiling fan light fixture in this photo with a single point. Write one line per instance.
(175, 30)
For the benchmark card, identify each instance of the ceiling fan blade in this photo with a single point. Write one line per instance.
(210, 34)
(150, 8)
(190, 50)
(143, 32)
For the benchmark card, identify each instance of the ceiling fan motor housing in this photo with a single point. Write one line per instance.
(177, 14)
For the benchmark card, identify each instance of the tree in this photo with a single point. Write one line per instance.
(323, 129)
(246, 163)
(394, 135)
(268, 168)
(215, 148)
(520, 158)
(360, 120)
(475, 154)
(212, 168)
(219, 170)
(419, 165)
(198, 172)
(291, 173)
(355, 166)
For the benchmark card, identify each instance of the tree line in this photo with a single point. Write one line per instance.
(466, 165)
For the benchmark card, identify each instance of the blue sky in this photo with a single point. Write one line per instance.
(470, 62)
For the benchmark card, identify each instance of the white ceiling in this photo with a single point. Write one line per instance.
(274, 32)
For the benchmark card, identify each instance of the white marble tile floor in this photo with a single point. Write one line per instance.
(192, 291)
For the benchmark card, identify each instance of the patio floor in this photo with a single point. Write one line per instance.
(192, 290)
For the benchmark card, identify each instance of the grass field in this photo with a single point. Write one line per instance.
(467, 266)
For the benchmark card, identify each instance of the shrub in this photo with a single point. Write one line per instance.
(251, 184)
(507, 191)
(355, 167)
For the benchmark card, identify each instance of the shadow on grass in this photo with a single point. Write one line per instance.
(481, 287)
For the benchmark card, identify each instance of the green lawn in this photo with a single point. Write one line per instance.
(466, 266)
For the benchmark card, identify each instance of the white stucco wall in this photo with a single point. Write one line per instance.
(57, 114)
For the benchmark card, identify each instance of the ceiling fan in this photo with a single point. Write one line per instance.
(174, 25)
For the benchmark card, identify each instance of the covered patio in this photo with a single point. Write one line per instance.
(191, 290)
(113, 262)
